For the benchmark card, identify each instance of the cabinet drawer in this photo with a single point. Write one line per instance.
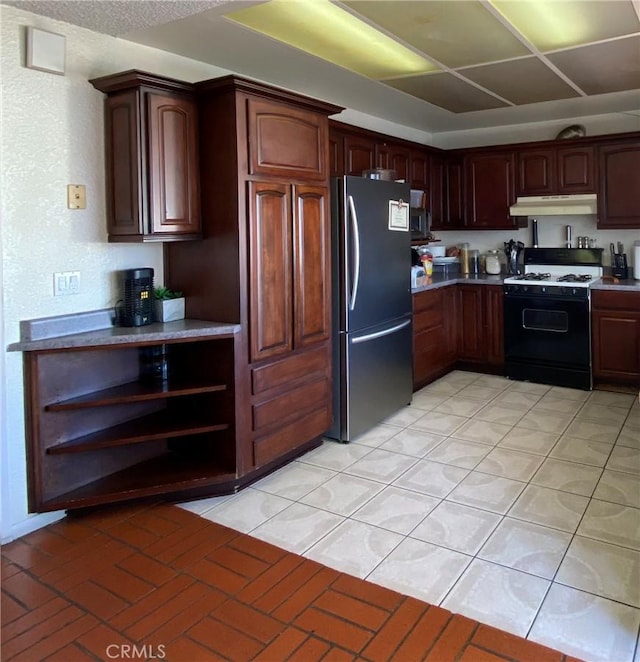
(427, 319)
(275, 445)
(291, 369)
(428, 300)
(291, 405)
(285, 141)
(614, 300)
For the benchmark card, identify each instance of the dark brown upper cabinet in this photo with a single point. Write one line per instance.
(619, 189)
(394, 157)
(359, 153)
(420, 166)
(490, 190)
(286, 142)
(556, 170)
(536, 172)
(151, 151)
(446, 193)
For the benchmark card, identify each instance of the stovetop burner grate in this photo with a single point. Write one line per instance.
(575, 278)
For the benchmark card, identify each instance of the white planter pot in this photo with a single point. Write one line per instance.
(168, 310)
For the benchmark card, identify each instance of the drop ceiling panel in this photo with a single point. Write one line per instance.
(551, 24)
(467, 37)
(447, 91)
(454, 33)
(611, 66)
(526, 80)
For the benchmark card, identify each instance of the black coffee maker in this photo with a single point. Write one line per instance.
(512, 250)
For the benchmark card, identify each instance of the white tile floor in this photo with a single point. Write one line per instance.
(515, 504)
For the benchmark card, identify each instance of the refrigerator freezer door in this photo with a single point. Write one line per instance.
(373, 269)
(372, 377)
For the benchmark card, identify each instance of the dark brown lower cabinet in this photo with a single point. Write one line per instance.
(615, 337)
(457, 325)
(103, 428)
(480, 326)
(434, 323)
(290, 402)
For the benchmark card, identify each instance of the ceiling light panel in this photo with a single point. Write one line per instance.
(611, 66)
(322, 29)
(554, 24)
(454, 33)
(447, 91)
(526, 80)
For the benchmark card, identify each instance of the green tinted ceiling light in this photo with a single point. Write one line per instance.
(325, 30)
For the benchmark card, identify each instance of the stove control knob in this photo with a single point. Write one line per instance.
(543, 289)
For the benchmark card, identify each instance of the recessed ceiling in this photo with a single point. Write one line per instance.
(467, 63)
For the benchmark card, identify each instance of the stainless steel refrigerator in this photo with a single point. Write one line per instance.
(372, 318)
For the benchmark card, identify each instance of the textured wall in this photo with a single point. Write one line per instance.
(52, 135)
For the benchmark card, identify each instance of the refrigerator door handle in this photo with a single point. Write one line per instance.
(356, 253)
(380, 334)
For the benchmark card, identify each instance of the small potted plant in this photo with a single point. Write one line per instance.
(168, 305)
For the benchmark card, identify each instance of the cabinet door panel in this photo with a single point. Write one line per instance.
(399, 161)
(490, 190)
(616, 346)
(359, 154)
(536, 172)
(311, 265)
(124, 208)
(336, 153)
(618, 199)
(419, 169)
(454, 195)
(437, 178)
(173, 163)
(270, 300)
(576, 170)
(470, 323)
(494, 324)
(287, 142)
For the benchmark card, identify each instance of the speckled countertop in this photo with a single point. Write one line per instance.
(441, 280)
(119, 335)
(629, 285)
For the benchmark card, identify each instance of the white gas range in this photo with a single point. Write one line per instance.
(547, 316)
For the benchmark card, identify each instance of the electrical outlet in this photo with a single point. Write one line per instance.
(66, 282)
(74, 282)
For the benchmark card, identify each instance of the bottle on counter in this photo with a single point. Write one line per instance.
(474, 261)
(464, 258)
(492, 262)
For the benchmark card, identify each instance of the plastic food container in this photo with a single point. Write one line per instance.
(492, 262)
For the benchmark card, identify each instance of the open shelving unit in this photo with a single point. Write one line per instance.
(100, 430)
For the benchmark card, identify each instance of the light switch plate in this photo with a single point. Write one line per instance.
(77, 196)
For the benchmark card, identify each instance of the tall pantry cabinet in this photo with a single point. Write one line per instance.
(264, 259)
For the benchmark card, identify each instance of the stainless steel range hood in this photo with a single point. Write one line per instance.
(555, 205)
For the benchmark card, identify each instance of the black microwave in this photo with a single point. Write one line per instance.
(420, 221)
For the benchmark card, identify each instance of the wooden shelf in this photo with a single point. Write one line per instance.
(162, 425)
(145, 479)
(134, 392)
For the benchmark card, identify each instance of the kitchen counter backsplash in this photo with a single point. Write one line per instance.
(551, 233)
